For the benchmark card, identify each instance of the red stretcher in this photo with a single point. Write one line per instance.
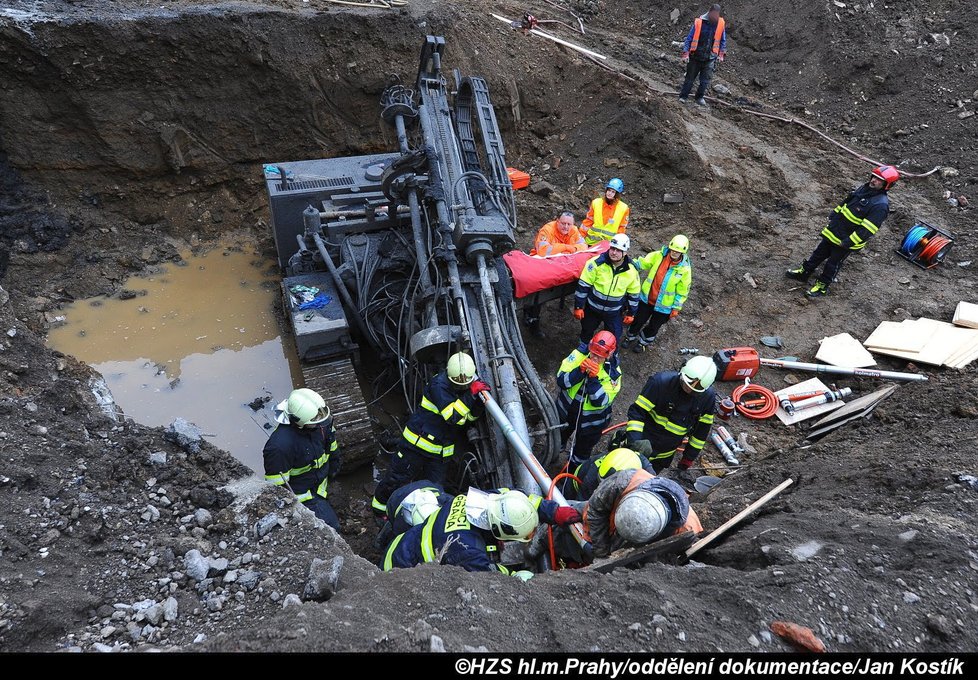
(533, 273)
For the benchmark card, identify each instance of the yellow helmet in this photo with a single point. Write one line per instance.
(461, 368)
(618, 460)
(679, 243)
(512, 516)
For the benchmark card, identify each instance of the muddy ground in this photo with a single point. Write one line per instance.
(127, 132)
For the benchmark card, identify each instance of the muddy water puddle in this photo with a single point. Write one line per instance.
(198, 341)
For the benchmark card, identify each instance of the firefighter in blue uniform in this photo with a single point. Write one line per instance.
(851, 225)
(467, 531)
(449, 405)
(302, 452)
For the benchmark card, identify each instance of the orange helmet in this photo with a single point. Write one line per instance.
(603, 344)
(888, 174)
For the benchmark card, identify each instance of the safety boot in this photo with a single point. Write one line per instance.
(798, 274)
(818, 290)
(628, 340)
(643, 343)
(701, 102)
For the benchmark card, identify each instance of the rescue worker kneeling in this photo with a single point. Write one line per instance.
(466, 532)
(599, 467)
(634, 507)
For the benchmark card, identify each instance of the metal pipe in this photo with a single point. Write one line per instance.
(840, 370)
(529, 460)
(340, 286)
(728, 455)
(337, 214)
(729, 440)
(505, 370)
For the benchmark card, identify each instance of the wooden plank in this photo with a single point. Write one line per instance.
(965, 350)
(844, 350)
(966, 314)
(817, 433)
(856, 406)
(671, 547)
(906, 336)
(809, 385)
(738, 518)
(945, 342)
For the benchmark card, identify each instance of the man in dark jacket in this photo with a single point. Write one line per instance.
(851, 225)
(449, 405)
(302, 453)
(670, 407)
(705, 45)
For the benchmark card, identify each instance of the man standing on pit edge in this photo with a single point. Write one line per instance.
(706, 43)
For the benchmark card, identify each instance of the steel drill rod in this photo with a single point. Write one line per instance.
(529, 460)
(841, 370)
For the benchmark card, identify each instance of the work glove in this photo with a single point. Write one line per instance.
(643, 446)
(628, 320)
(523, 575)
(564, 516)
(685, 57)
(478, 386)
(684, 463)
(721, 56)
(579, 314)
(591, 367)
(673, 314)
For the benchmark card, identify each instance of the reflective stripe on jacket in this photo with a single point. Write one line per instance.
(675, 287)
(596, 228)
(303, 458)
(608, 288)
(858, 218)
(599, 393)
(663, 413)
(443, 414)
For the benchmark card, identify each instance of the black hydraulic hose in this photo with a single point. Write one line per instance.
(340, 286)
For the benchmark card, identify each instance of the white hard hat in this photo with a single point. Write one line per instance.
(621, 242)
(418, 506)
(512, 516)
(641, 516)
(699, 373)
(304, 407)
(461, 368)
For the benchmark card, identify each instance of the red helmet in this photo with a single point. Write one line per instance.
(603, 344)
(888, 174)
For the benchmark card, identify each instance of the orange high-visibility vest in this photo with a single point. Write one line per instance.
(692, 521)
(717, 35)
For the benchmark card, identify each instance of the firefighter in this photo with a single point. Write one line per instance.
(607, 215)
(302, 453)
(467, 532)
(851, 225)
(602, 465)
(705, 45)
(608, 290)
(558, 237)
(449, 405)
(589, 379)
(634, 507)
(664, 291)
(671, 406)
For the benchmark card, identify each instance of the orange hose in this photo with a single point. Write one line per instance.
(930, 251)
(550, 529)
(750, 408)
(612, 428)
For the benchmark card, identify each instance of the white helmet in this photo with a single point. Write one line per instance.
(512, 516)
(699, 373)
(303, 407)
(621, 242)
(641, 516)
(418, 506)
(461, 368)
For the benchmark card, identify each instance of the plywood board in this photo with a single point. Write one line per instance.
(906, 336)
(966, 314)
(964, 351)
(807, 386)
(962, 359)
(857, 406)
(945, 342)
(844, 350)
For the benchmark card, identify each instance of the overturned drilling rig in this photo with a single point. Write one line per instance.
(403, 251)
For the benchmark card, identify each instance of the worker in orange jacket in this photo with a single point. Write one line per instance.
(559, 237)
(608, 214)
